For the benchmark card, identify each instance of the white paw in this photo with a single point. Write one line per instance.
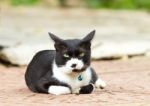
(58, 90)
(100, 84)
(76, 91)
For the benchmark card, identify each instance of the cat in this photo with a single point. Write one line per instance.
(64, 70)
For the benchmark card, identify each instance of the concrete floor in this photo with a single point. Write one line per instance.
(128, 84)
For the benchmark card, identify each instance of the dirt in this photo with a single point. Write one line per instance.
(128, 84)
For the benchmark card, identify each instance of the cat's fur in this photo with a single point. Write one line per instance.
(64, 70)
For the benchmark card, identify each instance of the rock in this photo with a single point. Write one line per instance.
(21, 54)
(119, 50)
(148, 52)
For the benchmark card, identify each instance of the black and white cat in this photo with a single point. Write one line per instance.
(64, 70)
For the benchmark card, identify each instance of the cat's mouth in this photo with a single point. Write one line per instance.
(79, 70)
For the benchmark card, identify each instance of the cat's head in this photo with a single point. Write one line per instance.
(73, 54)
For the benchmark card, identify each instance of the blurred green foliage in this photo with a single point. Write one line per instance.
(143, 4)
(23, 2)
(119, 4)
(113, 4)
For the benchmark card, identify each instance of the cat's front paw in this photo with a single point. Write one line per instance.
(87, 89)
(100, 84)
(58, 90)
(76, 91)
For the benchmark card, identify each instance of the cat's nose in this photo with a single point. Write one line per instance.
(73, 65)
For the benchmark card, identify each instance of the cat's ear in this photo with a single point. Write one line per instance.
(86, 41)
(59, 43)
(54, 37)
(89, 36)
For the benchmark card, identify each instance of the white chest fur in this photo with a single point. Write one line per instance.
(72, 79)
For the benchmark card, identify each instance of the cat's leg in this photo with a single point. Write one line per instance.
(52, 86)
(99, 83)
(87, 89)
(76, 91)
(42, 85)
(58, 90)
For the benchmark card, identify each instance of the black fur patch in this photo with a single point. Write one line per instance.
(86, 89)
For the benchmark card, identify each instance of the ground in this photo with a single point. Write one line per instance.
(127, 85)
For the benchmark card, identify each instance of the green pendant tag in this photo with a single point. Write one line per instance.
(80, 78)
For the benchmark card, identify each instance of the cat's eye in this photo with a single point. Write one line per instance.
(81, 54)
(66, 55)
